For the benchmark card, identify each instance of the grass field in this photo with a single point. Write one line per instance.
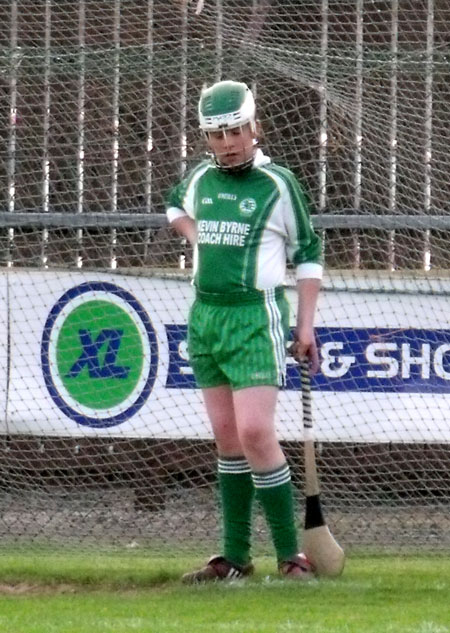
(112, 593)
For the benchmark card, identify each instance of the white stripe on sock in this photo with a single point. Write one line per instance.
(233, 466)
(272, 479)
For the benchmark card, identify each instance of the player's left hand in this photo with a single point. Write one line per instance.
(304, 347)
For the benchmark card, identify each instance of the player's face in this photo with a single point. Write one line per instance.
(232, 147)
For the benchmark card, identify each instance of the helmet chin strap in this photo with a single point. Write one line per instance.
(234, 168)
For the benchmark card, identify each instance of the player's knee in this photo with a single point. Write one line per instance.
(254, 439)
(229, 446)
(226, 436)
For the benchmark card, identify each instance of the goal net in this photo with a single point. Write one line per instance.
(103, 435)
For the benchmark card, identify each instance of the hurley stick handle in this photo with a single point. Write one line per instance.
(311, 478)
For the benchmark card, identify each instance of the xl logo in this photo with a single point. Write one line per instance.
(99, 354)
(90, 355)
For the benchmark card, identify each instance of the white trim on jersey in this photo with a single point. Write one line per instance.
(189, 196)
(261, 159)
(174, 213)
(271, 265)
(309, 270)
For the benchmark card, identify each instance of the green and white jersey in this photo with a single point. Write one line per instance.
(248, 225)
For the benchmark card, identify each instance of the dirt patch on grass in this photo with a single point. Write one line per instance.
(28, 588)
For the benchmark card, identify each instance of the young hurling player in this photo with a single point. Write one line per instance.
(246, 216)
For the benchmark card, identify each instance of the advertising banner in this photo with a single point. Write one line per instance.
(93, 354)
(4, 346)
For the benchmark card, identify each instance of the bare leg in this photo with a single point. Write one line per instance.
(254, 410)
(220, 409)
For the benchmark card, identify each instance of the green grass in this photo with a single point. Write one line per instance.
(112, 593)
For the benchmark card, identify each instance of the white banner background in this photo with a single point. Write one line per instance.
(178, 413)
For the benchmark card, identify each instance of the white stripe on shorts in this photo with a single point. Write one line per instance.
(276, 334)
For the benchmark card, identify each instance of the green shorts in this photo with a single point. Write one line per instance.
(241, 345)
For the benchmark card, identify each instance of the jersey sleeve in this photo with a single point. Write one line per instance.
(175, 201)
(304, 245)
(181, 198)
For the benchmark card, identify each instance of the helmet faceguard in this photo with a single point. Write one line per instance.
(224, 106)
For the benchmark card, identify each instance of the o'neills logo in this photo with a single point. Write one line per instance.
(99, 354)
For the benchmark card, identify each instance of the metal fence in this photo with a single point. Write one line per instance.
(98, 115)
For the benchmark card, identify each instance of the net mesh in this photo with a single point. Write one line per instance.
(97, 121)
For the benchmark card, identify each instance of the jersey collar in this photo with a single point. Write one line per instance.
(260, 159)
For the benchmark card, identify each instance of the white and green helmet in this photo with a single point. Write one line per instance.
(226, 104)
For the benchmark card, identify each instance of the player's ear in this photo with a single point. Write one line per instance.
(259, 132)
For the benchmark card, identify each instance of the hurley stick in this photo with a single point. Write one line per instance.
(319, 545)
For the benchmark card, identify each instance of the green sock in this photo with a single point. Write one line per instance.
(274, 492)
(236, 492)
